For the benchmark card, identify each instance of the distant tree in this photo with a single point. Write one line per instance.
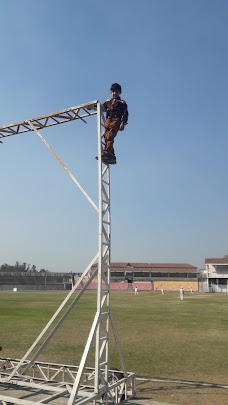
(5, 267)
(33, 269)
(17, 266)
(21, 268)
(44, 271)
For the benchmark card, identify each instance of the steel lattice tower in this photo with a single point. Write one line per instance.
(63, 384)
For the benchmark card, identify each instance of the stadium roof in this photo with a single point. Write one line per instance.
(154, 267)
(223, 260)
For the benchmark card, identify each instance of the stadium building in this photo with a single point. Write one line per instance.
(22, 281)
(152, 276)
(124, 276)
(214, 277)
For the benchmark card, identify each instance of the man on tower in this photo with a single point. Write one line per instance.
(116, 119)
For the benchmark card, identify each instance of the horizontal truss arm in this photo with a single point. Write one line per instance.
(69, 114)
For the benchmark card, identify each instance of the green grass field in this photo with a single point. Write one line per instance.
(160, 335)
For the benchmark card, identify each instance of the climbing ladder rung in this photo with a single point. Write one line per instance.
(106, 222)
(104, 363)
(103, 338)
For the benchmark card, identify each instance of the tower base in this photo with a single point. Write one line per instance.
(50, 383)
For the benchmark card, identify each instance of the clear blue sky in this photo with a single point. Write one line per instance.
(169, 187)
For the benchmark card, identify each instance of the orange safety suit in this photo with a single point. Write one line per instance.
(116, 114)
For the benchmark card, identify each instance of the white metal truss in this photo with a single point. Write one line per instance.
(27, 381)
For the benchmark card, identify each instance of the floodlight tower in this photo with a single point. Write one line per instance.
(83, 384)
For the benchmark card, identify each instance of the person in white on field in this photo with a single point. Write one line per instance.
(181, 293)
(136, 291)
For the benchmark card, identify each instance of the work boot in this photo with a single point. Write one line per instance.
(109, 158)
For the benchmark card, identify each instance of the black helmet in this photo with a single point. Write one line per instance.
(116, 86)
